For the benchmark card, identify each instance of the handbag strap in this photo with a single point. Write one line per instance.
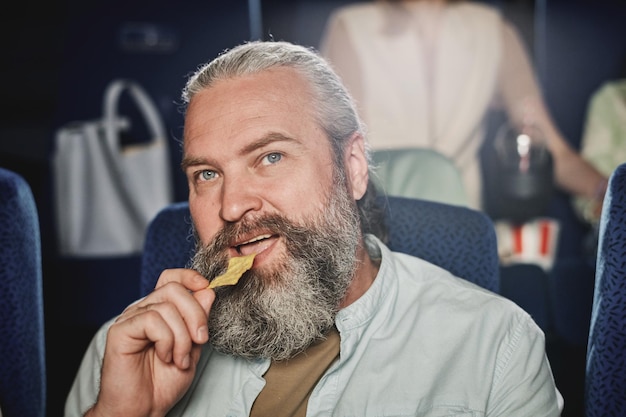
(111, 125)
(143, 101)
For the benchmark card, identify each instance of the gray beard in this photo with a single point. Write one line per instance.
(277, 314)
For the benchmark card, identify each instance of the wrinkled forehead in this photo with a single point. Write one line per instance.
(278, 91)
(247, 108)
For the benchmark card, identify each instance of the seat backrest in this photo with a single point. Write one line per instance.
(22, 348)
(456, 238)
(605, 376)
(418, 173)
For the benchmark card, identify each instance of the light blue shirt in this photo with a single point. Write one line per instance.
(419, 342)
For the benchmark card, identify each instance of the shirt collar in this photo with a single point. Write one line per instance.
(362, 310)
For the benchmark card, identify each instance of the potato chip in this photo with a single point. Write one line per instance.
(236, 267)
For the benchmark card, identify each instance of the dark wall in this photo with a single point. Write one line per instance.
(583, 44)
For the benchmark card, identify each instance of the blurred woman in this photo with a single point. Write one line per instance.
(425, 73)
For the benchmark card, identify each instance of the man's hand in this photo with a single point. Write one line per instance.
(154, 346)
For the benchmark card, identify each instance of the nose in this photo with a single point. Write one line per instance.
(238, 198)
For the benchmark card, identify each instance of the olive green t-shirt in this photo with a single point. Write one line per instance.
(289, 383)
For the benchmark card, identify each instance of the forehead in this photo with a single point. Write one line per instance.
(278, 100)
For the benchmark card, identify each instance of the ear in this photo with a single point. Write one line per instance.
(357, 165)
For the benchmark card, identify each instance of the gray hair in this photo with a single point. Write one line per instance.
(334, 108)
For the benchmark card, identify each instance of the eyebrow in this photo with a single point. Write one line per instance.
(270, 138)
(266, 140)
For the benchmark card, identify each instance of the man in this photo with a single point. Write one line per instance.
(328, 321)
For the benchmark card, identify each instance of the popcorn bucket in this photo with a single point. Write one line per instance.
(532, 242)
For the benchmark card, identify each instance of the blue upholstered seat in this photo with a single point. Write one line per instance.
(22, 351)
(605, 380)
(456, 238)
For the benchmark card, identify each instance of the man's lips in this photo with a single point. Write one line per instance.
(256, 244)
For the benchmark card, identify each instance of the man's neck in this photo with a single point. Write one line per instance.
(364, 276)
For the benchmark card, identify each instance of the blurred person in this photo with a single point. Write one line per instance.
(425, 73)
(328, 321)
(604, 138)
(603, 145)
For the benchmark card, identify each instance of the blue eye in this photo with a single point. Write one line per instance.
(272, 158)
(207, 175)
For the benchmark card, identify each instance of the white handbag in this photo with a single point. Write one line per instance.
(105, 193)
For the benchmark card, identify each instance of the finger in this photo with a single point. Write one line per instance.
(193, 308)
(189, 278)
(182, 340)
(194, 282)
(205, 297)
(136, 333)
(163, 325)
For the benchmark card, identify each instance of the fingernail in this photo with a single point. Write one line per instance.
(203, 334)
(186, 361)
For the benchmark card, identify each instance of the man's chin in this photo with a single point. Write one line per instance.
(276, 352)
(264, 318)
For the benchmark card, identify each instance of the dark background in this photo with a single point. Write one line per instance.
(57, 59)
